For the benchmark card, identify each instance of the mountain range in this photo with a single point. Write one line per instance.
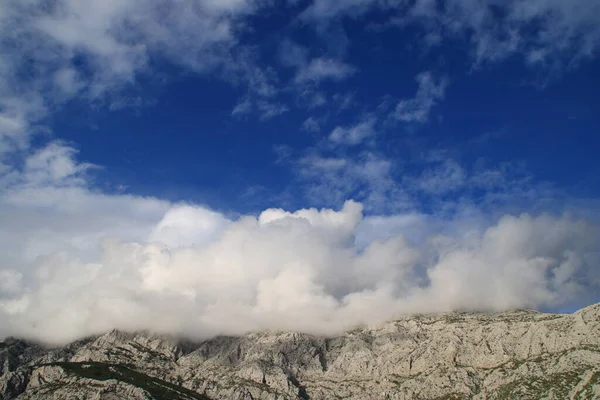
(521, 354)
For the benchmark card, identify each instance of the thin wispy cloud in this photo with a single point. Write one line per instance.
(429, 92)
(292, 54)
(541, 32)
(367, 176)
(265, 109)
(312, 70)
(446, 177)
(311, 125)
(114, 42)
(355, 134)
(322, 68)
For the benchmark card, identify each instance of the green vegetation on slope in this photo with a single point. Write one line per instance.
(157, 388)
(558, 385)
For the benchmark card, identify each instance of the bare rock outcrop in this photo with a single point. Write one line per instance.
(519, 354)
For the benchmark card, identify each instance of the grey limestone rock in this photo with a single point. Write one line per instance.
(511, 355)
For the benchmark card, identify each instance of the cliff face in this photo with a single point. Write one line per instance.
(511, 355)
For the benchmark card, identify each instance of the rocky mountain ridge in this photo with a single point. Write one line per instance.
(509, 355)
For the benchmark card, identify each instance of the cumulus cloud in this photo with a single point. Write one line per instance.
(76, 262)
(417, 109)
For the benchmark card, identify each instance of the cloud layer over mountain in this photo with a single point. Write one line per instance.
(423, 234)
(77, 262)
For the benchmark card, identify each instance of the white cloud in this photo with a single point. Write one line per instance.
(310, 97)
(245, 106)
(429, 92)
(93, 49)
(17, 111)
(544, 32)
(319, 69)
(269, 110)
(563, 29)
(188, 226)
(311, 71)
(54, 165)
(311, 125)
(449, 176)
(353, 135)
(412, 225)
(367, 177)
(326, 9)
(447, 187)
(291, 54)
(264, 108)
(344, 101)
(77, 262)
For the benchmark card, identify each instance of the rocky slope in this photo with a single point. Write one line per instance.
(511, 355)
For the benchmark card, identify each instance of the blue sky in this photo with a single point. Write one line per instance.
(444, 120)
(213, 139)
